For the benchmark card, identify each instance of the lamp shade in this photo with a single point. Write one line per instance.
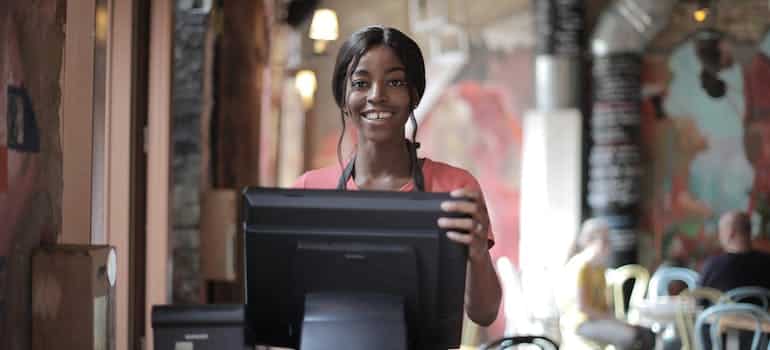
(324, 25)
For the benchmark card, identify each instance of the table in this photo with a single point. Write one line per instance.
(664, 309)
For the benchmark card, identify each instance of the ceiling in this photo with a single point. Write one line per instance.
(477, 13)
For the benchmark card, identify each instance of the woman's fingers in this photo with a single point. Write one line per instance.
(475, 226)
(460, 206)
(466, 193)
(473, 230)
(458, 237)
(467, 201)
(465, 224)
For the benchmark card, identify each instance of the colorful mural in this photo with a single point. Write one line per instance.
(477, 125)
(31, 47)
(706, 129)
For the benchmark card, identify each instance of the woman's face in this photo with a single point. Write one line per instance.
(601, 244)
(378, 97)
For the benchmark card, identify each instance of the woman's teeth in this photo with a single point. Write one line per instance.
(377, 115)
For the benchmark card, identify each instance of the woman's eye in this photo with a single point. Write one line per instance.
(397, 83)
(358, 84)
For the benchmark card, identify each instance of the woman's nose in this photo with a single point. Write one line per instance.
(377, 93)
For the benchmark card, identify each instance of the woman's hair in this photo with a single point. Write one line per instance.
(356, 46)
(589, 231)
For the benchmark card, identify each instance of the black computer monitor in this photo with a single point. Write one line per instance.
(199, 327)
(319, 263)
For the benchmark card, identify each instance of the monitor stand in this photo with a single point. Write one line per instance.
(339, 320)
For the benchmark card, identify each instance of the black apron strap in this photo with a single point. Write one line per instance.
(347, 173)
(419, 179)
(417, 175)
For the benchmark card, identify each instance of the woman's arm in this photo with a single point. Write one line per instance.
(482, 291)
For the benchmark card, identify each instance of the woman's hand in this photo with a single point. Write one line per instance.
(471, 203)
(482, 288)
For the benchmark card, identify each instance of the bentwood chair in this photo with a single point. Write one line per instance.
(749, 294)
(510, 342)
(616, 279)
(685, 314)
(663, 277)
(712, 316)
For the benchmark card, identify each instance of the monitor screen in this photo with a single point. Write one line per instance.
(300, 242)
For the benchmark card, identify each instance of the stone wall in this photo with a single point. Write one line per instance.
(189, 39)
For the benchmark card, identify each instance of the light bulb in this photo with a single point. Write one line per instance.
(700, 14)
(306, 84)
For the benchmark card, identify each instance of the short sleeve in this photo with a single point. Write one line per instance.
(301, 182)
(474, 184)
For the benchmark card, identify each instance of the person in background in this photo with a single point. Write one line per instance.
(378, 81)
(586, 320)
(739, 265)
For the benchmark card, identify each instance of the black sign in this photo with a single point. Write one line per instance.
(615, 160)
(559, 26)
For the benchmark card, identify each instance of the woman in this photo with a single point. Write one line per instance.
(586, 319)
(378, 80)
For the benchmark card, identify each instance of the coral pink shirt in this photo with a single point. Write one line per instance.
(439, 177)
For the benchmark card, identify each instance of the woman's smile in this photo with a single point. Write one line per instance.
(374, 115)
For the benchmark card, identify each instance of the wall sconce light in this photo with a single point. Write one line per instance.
(323, 28)
(306, 85)
(102, 24)
(700, 14)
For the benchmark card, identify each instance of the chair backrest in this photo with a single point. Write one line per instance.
(713, 295)
(511, 341)
(666, 274)
(748, 294)
(616, 278)
(713, 314)
(685, 320)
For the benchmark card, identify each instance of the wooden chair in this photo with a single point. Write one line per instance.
(616, 278)
(685, 316)
(472, 334)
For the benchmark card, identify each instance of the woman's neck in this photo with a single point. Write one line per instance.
(382, 165)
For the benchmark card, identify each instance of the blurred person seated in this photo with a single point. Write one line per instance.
(587, 321)
(739, 265)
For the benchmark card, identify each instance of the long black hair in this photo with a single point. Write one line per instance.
(356, 46)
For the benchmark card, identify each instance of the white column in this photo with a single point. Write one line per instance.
(550, 201)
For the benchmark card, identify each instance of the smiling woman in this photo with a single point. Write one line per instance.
(379, 100)
(384, 63)
(378, 80)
